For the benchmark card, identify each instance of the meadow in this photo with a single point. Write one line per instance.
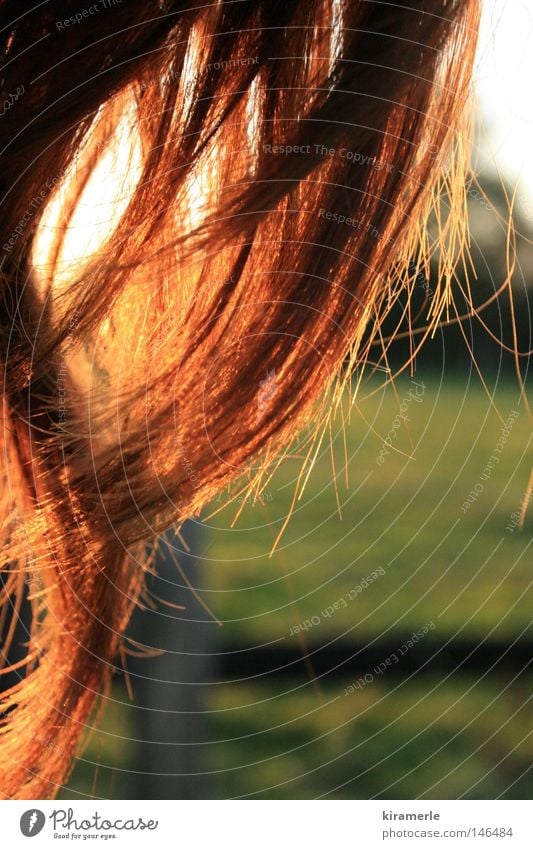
(427, 504)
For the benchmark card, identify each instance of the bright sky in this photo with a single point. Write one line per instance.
(504, 84)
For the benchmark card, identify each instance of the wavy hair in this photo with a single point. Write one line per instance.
(283, 161)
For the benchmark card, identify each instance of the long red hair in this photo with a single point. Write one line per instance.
(320, 136)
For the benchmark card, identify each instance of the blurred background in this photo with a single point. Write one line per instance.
(384, 649)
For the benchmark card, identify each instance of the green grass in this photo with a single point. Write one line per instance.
(404, 516)
(425, 738)
(463, 570)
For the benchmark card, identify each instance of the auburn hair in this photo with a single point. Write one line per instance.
(285, 159)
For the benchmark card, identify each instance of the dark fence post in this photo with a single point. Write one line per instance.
(170, 693)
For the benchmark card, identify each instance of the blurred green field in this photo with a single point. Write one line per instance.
(398, 738)
(404, 516)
